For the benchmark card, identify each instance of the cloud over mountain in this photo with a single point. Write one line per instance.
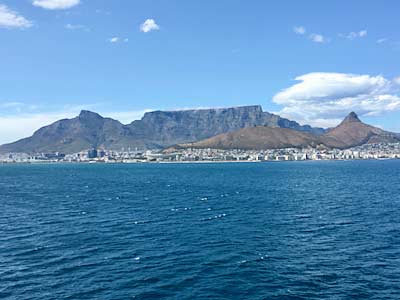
(324, 98)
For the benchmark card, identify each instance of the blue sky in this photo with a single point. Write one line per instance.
(60, 56)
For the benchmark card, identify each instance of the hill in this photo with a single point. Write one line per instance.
(353, 132)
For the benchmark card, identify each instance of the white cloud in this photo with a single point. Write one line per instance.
(299, 30)
(317, 38)
(117, 39)
(362, 33)
(323, 99)
(149, 25)
(382, 40)
(55, 4)
(11, 19)
(353, 35)
(76, 27)
(114, 39)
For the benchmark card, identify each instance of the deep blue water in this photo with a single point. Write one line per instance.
(297, 230)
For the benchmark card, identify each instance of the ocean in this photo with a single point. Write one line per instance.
(287, 230)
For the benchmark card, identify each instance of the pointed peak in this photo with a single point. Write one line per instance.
(351, 117)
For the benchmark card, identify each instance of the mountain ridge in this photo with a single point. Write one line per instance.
(349, 133)
(156, 129)
(239, 127)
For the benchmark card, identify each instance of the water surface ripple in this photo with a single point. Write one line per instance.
(299, 230)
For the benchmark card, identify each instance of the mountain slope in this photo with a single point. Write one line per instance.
(86, 131)
(352, 132)
(258, 138)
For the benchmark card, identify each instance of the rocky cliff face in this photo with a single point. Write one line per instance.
(156, 129)
(173, 127)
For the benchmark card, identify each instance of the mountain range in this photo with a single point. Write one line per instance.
(157, 129)
(246, 127)
(349, 133)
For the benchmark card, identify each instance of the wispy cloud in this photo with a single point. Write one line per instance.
(149, 25)
(11, 19)
(317, 38)
(382, 40)
(114, 39)
(322, 99)
(102, 12)
(314, 37)
(299, 30)
(55, 4)
(117, 39)
(354, 34)
(77, 27)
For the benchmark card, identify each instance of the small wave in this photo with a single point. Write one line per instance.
(214, 217)
(303, 216)
(140, 222)
(181, 209)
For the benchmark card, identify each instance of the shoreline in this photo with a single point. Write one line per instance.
(189, 162)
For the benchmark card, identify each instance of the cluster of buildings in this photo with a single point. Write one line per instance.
(368, 151)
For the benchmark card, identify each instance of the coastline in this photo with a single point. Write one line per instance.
(191, 162)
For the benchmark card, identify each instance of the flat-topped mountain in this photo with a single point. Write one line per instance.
(349, 133)
(156, 129)
(172, 127)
